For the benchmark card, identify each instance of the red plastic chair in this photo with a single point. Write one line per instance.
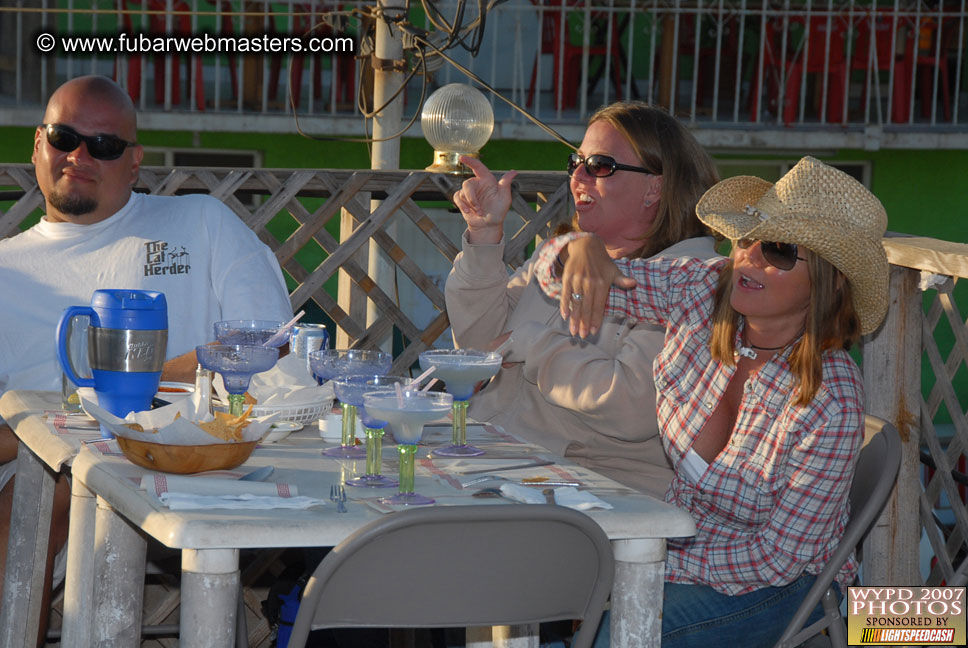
(182, 25)
(344, 68)
(817, 60)
(728, 51)
(893, 41)
(929, 59)
(228, 28)
(555, 40)
(133, 80)
(811, 51)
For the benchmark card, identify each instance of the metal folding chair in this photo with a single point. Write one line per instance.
(874, 479)
(459, 566)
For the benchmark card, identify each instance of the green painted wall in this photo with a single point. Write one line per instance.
(923, 192)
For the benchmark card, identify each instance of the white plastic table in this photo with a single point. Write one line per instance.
(44, 451)
(110, 517)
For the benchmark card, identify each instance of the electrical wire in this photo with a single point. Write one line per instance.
(368, 115)
(475, 28)
(469, 74)
(423, 42)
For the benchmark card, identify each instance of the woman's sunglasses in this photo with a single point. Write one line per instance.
(100, 147)
(600, 166)
(779, 255)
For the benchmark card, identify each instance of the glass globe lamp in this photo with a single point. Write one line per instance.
(456, 120)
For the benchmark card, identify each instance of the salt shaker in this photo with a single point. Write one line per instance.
(202, 396)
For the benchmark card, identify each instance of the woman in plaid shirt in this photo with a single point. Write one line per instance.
(760, 406)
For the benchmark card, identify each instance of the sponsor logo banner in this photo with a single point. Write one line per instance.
(906, 616)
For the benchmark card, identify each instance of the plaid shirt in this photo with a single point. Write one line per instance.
(773, 504)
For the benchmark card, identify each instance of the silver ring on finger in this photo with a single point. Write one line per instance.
(576, 296)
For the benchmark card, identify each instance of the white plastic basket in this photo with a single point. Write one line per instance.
(304, 413)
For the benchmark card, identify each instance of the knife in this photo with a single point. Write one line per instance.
(515, 467)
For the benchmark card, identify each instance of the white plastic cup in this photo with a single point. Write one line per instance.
(331, 427)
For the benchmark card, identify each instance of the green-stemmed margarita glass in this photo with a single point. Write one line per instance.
(330, 364)
(237, 363)
(350, 390)
(461, 370)
(407, 411)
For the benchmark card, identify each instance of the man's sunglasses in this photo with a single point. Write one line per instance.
(779, 255)
(600, 166)
(100, 147)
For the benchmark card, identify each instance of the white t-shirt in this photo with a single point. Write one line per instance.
(206, 261)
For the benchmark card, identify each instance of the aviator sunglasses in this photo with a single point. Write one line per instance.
(779, 255)
(100, 147)
(600, 166)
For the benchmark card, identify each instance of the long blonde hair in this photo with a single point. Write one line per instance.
(665, 147)
(831, 323)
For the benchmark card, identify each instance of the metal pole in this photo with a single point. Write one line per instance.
(388, 74)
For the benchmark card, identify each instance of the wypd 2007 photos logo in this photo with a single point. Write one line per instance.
(900, 616)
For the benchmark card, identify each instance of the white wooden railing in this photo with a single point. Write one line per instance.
(715, 63)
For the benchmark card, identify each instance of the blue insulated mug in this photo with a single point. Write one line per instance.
(127, 342)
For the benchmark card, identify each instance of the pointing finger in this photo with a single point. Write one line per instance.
(480, 170)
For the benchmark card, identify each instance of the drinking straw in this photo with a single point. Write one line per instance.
(283, 330)
(415, 382)
(504, 345)
(399, 395)
(433, 381)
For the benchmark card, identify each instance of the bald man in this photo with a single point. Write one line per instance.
(97, 233)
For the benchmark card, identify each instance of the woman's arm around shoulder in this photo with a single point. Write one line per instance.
(592, 285)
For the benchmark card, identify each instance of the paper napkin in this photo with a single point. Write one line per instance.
(287, 383)
(158, 484)
(524, 494)
(579, 500)
(188, 501)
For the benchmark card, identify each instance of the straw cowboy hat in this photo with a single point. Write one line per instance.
(816, 206)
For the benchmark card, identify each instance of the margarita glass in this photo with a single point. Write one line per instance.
(237, 363)
(350, 390)
(330, 364)
(251, 332)
(461, 370)
(407, 411)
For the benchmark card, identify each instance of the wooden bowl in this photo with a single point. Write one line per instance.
(184, 459)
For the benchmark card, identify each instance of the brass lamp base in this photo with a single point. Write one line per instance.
(449, 162)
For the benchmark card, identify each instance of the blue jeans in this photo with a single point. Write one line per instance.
(697, 616)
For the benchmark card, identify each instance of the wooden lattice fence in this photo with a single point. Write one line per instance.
(311, 200)
(897, 389)
(948, 543)
(925, 292)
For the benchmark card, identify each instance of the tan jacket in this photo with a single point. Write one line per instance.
(591, 400)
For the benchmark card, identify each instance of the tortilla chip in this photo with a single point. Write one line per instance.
(227, 427)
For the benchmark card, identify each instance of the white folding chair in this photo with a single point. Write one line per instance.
(874, 478)
(459, 566)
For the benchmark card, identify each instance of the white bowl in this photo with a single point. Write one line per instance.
(280, 430)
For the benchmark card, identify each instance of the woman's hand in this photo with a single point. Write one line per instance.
(588, 275)
(483, 202)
